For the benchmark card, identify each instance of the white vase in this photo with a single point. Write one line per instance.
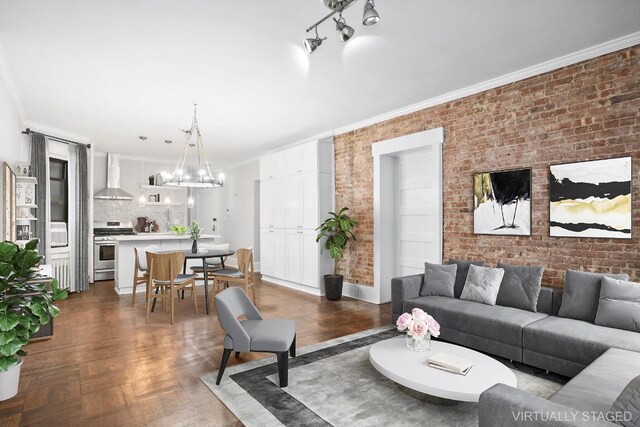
(417, 344)
(9, 381)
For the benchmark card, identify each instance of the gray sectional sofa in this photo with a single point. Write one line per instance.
(602, 359)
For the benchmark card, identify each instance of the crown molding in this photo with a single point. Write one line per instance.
(7, 79)
(544, 67)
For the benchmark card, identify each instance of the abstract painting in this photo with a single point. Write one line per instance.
(502, 202)
(591, 199)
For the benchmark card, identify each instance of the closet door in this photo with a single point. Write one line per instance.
(266, 204)
(278, 255)
(267, 251)
(310, 274)
(278, 203)
(294, 202)
(295, 256)
(309, 194)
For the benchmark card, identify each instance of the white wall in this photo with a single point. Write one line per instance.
(234, 207)
(14, 147)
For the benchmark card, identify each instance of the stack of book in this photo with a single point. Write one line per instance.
(450, 363)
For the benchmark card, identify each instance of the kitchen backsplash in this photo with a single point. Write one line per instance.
(108, 210)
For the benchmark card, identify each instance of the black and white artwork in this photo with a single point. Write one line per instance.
(502, 202)
(591, 199)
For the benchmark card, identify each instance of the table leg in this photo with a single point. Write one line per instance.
(153, 306)
(206, 284)
(222, 262)
(184, 271)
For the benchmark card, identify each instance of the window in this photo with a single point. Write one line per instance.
(59, 183)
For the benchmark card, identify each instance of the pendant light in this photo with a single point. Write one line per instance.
(193, 169)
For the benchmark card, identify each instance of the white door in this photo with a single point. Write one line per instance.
(309, 157)
(309, 201)
(267, 250)
(266, 204)
(294, 256)
(278, 200)
(310, 274)
(278, 255)
(417, 215)
(294, 201)
(293, 160)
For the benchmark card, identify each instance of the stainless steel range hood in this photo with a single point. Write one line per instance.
(113, 190)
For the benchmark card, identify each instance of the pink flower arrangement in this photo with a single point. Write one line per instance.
(418, 324)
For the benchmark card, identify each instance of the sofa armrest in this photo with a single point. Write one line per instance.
(504, 406)
(404, 288)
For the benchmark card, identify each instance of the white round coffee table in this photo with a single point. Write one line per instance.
(409, 369)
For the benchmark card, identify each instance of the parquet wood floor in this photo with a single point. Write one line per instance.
(105, 367)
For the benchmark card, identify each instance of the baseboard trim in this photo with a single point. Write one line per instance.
(294, 286)
(361, 292)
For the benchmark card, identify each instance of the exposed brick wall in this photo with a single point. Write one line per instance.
(586, 111)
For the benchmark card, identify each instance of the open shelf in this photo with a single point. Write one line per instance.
(27, 179)
(31, 206)
(29, 218)
(163, 204)
(162, 187)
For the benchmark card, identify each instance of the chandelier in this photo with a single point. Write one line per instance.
(193, 169)
(345, 32)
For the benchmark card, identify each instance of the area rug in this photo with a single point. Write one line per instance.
(333, 383)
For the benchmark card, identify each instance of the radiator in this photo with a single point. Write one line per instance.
(62, 271)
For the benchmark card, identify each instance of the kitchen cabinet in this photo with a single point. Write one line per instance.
(291, 208)
(272, 203)
(272, 252)
(272, 166)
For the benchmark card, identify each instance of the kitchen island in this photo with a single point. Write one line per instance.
(125, 256)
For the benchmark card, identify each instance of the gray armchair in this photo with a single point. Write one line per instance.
(255, 333)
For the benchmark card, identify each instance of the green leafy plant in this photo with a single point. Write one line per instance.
(24, 305)
(337, 231)
(195, 230)
(179, 229)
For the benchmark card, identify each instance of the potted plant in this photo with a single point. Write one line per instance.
(24, 306)
(337, 231)
(196, 231)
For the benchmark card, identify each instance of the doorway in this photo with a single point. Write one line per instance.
(408, 222)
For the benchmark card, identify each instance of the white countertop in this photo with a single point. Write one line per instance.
(160, 236)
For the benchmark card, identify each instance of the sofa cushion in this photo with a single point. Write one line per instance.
(581, 294)
(439, 280)
(482, 285)
(600, 384)
(628, 404)
(619, 305)
(461, 273)
(576, 340)
(520, 286)
(502, 324)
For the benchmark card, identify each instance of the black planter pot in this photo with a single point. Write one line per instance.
(333, 286)
(194, 247)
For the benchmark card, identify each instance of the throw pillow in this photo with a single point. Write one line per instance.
(439, 280)
(581, 294)
(626, 407)
(461, 273)
(619, 305)
(520, 286)
(482, 284)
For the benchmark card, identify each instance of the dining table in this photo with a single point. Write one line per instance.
(204, 255)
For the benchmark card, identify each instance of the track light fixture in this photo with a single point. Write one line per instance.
(345, 31)
(369, 17)
(310, 45)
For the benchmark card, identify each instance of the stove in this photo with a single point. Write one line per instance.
(104, 246)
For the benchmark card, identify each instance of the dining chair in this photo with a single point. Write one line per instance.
(165, 278)
(213, 264)
(244, 275)
(254, 334)
(140, 271)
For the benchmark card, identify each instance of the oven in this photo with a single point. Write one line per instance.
(104, 247)
(104, 259)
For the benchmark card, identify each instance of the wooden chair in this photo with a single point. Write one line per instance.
(244, 275)
(165, 277)
(140, 271)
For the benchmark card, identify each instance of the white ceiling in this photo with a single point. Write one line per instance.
(114, 70)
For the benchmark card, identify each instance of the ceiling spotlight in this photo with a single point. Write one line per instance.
(310, 45)
(345, 31)
(168, 141)
(370, 16)
(142, 138)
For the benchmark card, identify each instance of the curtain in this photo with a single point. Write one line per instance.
(40, 170)
(81, 265)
